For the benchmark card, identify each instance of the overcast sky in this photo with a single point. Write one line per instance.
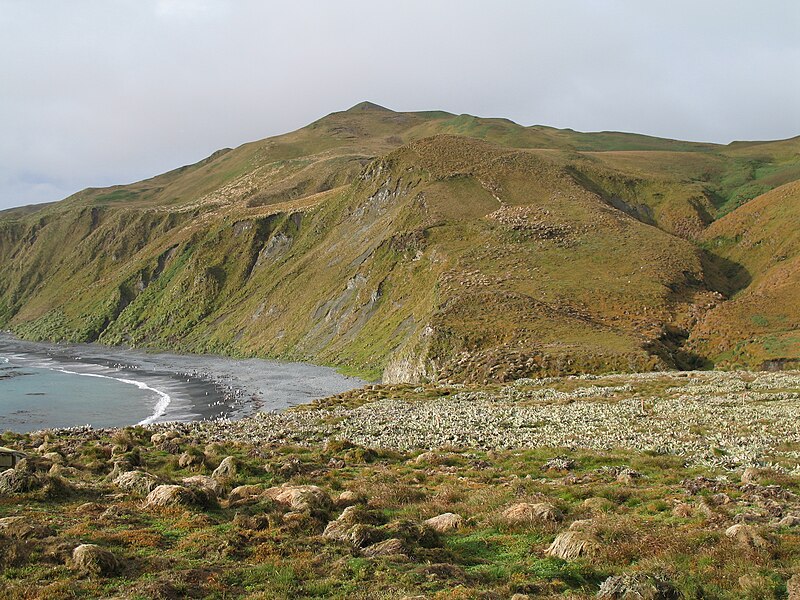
(101, 92)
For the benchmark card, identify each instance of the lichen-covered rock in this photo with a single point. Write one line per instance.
(91, 559)
(244, 494)
(445, 522)
(227, 469)
(306, 498)
(355, 526)
(189, 460)
(390, 547)
(793, 587)
(22, 478)
(598, 504)
(204, 483)
(139, 482)
(747, 536)
(350, 498)
(171, 495)
(524, 512)
(637, 586)
(573, 544)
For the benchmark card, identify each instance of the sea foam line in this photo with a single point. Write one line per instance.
(160, 407)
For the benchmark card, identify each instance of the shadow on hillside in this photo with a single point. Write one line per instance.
(722, 275)
(671, 348)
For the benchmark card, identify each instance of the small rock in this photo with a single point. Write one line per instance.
(637, 586)
(572, 544)
(301, 497)
(524, 512)
(205, 483)
(171, 495)
(91, 559)
(445, 522)
(793, 587)
(244, 494)
(140, 482)
(598, 504)
(746, 536)
(227, 469)
(349, 498)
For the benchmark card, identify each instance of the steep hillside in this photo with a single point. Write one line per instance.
(410, 245)
(760, 325)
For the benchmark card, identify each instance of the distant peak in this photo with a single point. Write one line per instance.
(362, 106)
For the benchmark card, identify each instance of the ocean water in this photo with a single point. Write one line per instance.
(40, 392)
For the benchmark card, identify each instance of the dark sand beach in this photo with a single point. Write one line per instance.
(187, 387)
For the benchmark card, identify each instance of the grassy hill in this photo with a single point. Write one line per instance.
(424, 246)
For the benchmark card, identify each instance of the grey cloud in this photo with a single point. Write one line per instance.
(97, 92)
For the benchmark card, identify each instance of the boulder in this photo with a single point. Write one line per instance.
(91, 559)
(637, 586)
(139, 482)
(445, 522)
(524, 512)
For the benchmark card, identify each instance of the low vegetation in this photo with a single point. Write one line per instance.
(183, 511)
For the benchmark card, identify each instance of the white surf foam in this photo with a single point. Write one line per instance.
(159, 409)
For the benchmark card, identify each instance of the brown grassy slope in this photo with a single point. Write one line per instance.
(762, 321)
(369, 239)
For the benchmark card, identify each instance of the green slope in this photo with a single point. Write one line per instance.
(413, 245)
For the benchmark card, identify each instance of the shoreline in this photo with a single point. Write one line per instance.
(212, 387)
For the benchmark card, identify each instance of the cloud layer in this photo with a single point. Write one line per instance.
(97, 92)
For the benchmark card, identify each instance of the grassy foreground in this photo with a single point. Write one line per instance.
(179, 511)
